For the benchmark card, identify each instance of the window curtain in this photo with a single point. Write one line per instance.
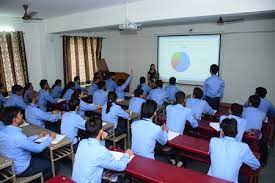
(13, 63)
(80, 56)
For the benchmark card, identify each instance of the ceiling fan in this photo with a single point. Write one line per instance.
(221, 21)
(29, 16)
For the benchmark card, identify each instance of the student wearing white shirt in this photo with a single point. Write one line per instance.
(227, 155)
(236, 113)
(177, 115)
(92, 157)
(136, 102)
(145, 134)
(198, 105)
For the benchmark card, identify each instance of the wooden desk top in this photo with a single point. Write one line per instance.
(31, 129)
(59, 179)
(154, 171)
(4, 162)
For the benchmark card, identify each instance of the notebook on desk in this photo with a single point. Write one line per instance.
(118, 155)
(57, 139)
(172, 135)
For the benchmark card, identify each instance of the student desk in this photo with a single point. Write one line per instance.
(205, 131)
(198, 149)
(59, 179)
(6, 170)
(62, 149)
(154, 171)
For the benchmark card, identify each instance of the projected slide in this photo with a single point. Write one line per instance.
(187, 58)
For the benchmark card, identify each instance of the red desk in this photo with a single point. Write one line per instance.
(153, 171)
(60, 179)
(205, 131)
(197, 149)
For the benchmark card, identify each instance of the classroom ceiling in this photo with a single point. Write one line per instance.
(54, 8)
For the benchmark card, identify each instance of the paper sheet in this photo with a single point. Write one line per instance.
(172, 135)
(216, 126)
(119, 100)
(215, 111)
(118, 155)
(55, 141)
(266, 120)
(104, 123)
(24, 124)
(60, 100)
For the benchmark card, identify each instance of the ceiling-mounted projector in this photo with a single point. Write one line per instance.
(128, 26)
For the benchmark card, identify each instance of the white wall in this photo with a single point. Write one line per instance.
(247, 54)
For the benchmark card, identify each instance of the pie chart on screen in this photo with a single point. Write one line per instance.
(180, 61)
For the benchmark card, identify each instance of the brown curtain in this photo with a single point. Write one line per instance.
(13, 63)
(80, 56)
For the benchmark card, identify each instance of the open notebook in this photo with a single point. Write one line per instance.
(55, 141)
(172, 135)
(118, 155)
(215, 125)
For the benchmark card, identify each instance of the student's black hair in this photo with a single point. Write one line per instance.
(159, 83)
(172, 81)
(229, 127)
(142, 80)
(27, 87)
(70, 85)
(236, 109)
(76, 78)
(93, 126)
(214, 69)
(57, 82)
(16, 88)
(8, 114)
(261, 92)
(107, 75)
(43, 83)
(148, 109)
(180, 97)
(111, 98)
(31, 95)
(101, 84)
(254, 100)
(1, 85)
(197, 93)
(73, 104)
(138, 92)
(75, 94)
(120, 82)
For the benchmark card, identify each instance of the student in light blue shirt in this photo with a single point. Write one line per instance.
(142, 85)
(110, 83)
(36, 116)
(265, 105)
(172, 89)
(100, 96)
(111, 111)
(27, 89)
(15, 145)
(57, 89)
(122, 86)
(16, 98)
(177, 115)
(44, 95)
(236, 113)
(158, 94)
(198, 105)
(77, 84)
(137, 101)
(145, 134)
(254, 116)
(93, 87)
(68, 91)
(92, 157)
(72, 122)
(227, 155)
(83, 106)
(213, 88)
(3, 100)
